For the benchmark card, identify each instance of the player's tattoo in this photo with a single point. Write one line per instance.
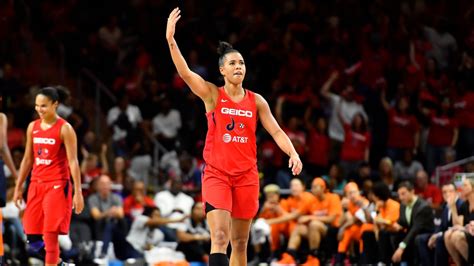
(171, 46)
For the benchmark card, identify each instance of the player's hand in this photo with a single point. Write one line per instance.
(432, 241)
(397, 256)
(171, 25)
(295, 164)
(451, 201)
(78, 203)
(397, 227)
(18, 197)
(304, 219)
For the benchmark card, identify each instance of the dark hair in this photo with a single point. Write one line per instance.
(363, 125)
(406, 184)
(381, 191)
(148, 210)
(55, 93)
(450, 184)
(223, 49)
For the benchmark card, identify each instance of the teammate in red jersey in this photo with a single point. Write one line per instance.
(51, 153)
(5, 159)
(230, 180)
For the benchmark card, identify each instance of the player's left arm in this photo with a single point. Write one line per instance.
(4, 150)
(280, 137)
(70, 142)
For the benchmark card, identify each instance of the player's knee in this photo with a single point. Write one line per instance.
(457, 237)
(239, 244)
(447, 237)
(300, 229)
(220, 238)
(315, 225)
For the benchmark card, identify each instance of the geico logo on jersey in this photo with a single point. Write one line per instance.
(229, 138)
(44, 141)
(43, 161)
(237, 112)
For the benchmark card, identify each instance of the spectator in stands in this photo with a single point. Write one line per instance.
(356, 145)
(174, 203)
(386, 173)
(107, 213)
(317, 150)
(14, 235)
(110, 36)
(141, 150)
(443, 134)
(325, 213)
(446, 176)
(349, 108)
(90, 167)
(119, 173)
(459, 239)
(190, 172)
(431, 247)
(335, 178)
(416, 217)
(166, 124)
(442, 42)
(122, 119)
(145, 233)
(403, 128)
(464, 112)
(426, 190)
(134, 204)
(377, 243)
(407, 168)
(195, 241)
(296, 135)
(365, 177)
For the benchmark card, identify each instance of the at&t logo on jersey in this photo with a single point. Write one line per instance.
(227, 138)
(40, 161)
(47, 141)
(237, 112)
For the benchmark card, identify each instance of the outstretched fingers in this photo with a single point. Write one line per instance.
(174, 15)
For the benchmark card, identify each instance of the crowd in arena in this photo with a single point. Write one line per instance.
(376, 97)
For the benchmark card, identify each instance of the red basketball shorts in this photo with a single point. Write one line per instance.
(48, 207)
(236, 194)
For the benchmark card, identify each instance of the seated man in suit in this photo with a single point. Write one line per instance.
(416, 217)
(431, 247)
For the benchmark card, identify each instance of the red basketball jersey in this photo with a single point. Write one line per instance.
(50, 158)
(230, 142)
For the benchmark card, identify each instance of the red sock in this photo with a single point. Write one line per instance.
(52, 247)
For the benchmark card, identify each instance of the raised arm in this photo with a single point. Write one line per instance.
(383, 100)
(205, 90)
(326, 88)
(70, 142)
(25, 167)
(4, 150)
(280, 137)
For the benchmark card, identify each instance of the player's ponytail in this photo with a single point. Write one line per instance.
(55, 93)
(63, 93)
(223, 49)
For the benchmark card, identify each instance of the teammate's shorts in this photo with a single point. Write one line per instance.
(236, 194)
(48, 207)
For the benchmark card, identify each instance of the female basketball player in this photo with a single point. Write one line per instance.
(230, 180)
(5, 158)
(51, 153)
